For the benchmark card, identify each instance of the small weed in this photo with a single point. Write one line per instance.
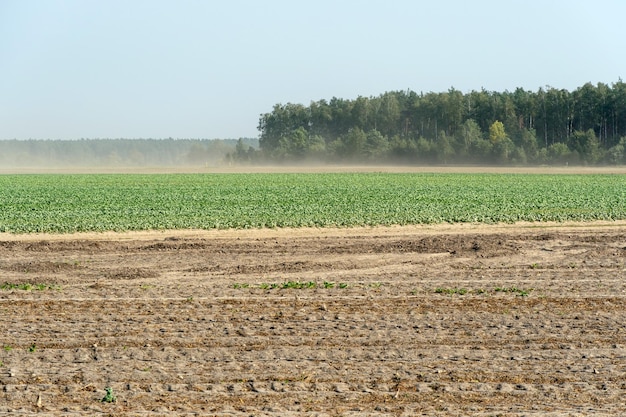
(298, 285)
(517, 291)
(110, 396)
(27, 286)
(450, 291)
(295, 285)
(32, 348)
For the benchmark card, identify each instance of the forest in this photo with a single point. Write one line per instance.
(586, 126)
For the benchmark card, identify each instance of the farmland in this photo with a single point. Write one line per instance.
(415, 294)
(83, 203)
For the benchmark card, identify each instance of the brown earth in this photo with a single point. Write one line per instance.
(524, 319)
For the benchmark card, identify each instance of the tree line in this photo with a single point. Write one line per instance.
(547, 126)
(120, 152)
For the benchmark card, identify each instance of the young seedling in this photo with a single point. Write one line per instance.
(110, 396)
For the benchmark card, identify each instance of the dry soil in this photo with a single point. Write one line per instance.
(524, 319)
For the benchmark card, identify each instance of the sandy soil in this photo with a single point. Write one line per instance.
(179, 323)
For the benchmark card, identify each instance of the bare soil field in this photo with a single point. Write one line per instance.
(523, 319)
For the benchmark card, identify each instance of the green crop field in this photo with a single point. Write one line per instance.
(72, 203)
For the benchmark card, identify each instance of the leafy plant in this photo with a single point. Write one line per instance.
(109, 396)
(518, 291)
(450, 291)
(298, 285)
(26, 286)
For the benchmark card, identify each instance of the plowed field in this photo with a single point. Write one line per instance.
(521, 319)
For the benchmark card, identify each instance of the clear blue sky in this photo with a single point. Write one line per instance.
(206, 69)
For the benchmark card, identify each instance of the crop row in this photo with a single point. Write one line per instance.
(71, 203)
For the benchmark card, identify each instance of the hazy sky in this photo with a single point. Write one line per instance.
(207, 69)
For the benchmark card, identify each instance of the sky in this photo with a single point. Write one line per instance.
(204, 69)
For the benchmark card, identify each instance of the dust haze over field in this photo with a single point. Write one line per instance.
(109, 155)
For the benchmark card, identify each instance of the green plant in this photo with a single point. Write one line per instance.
(298, 285)
(518, 291)
(238, 286)
(32, 348)
(343, 285)
(94, 202)
(450, 291)
(8, 348)
(328, 284)
(27, 286)
(109, 396)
